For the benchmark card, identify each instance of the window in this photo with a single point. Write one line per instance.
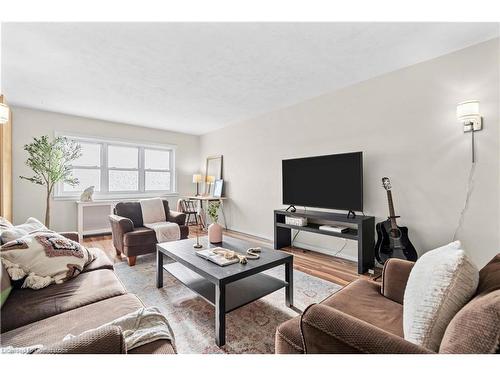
(156, 164)
(87, 168)
(121, 168)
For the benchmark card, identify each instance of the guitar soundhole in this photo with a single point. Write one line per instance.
(395, 233)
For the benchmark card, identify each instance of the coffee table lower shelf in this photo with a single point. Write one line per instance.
(238, 293)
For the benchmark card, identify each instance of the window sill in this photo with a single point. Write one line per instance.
(115, 197)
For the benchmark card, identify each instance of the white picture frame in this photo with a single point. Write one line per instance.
(218, 184)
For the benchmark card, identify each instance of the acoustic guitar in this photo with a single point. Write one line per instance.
(392, 240)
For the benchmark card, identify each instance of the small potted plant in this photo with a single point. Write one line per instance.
(214, 229)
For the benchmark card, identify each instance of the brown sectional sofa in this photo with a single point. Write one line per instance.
(130, 237)
(95, 297)
(366, 317)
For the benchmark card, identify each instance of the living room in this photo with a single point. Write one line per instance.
(250, 187)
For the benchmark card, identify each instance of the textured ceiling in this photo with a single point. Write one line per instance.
(197, 77)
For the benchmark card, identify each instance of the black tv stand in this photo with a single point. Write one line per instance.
(291, 208)
(364, 232)
(351, 213)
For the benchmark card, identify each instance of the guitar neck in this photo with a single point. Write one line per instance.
(391, 210)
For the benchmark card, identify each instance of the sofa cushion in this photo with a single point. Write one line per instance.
(441, 282)
(475, 329)
(101, 261)
(25, 306)
(362, 299)
(155, 347)
(53, 329)
(139, 236)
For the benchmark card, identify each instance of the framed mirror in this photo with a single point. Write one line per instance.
(213, 172)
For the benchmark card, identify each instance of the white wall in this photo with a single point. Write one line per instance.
(29, 199)
(405, 124)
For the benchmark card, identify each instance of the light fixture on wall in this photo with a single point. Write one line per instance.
(4, 114)
(469, 117)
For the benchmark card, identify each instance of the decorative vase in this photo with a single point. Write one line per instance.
(215, 233)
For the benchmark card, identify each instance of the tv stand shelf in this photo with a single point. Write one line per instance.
(364, 232)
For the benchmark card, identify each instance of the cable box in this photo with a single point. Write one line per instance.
(334, 228)
(295, 220)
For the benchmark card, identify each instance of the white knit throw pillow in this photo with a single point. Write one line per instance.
(43, 258)
(440, 284)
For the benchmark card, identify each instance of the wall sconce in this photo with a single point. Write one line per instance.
(468, 115)
(4, 114)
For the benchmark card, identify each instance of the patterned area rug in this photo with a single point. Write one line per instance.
(249, 329)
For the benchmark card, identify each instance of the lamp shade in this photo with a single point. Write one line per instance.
(210, 179)
(4, 114)
(197, 178)
(468, 108)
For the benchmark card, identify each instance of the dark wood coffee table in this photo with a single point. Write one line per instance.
(226, 288)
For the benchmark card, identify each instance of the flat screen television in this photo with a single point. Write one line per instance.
(330, 181)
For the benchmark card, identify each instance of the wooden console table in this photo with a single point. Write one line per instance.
(364, 232)
(208, 199)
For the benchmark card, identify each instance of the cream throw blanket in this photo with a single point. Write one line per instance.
(140, 327)
(153, 216)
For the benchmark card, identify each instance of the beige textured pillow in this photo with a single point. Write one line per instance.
(17, 231)
(43, 258)
(440, 284)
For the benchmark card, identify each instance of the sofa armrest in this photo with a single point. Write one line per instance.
(176, 217)
(105, 340)
(121, 224)
(394, 278)
(70, 235)
(328, 330)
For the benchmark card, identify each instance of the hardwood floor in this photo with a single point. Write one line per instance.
(337, 270)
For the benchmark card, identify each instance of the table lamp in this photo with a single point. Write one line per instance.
(196, 180)
(209, 181)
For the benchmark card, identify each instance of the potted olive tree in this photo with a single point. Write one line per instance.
(51, 163)
(214, 229)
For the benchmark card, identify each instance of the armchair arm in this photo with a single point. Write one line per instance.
(105, 340)
(176, 217)
(119, 226)
(70, 235)
(394, 278)
(328, 330)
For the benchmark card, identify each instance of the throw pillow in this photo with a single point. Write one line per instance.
(4, 225)
(440, 284)
(476, 327)
(17, 231)
(44, 258)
